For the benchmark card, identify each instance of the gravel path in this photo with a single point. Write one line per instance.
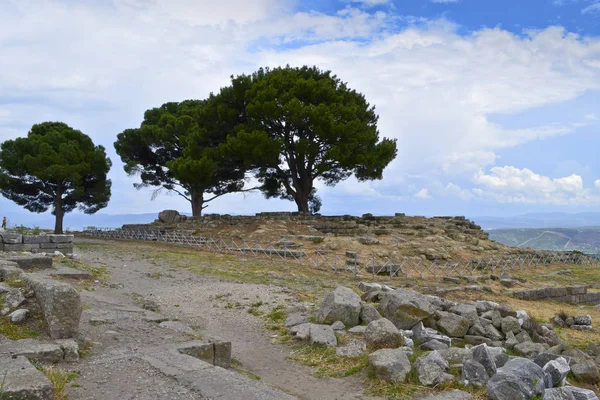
(215, 308)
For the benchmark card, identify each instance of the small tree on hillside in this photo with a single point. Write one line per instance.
(176, 149)
(55, 166)
(304, 124)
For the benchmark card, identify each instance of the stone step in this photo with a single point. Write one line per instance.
(21, 380)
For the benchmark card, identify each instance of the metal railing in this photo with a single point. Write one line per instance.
(360, 265)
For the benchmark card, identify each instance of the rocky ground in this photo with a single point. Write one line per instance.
(216, 309)
(143, 303)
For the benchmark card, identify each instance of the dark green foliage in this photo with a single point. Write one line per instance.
(305, 124)
(176, 149)
(58, 166)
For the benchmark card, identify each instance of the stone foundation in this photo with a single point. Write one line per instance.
(36, 243)
(565, 294)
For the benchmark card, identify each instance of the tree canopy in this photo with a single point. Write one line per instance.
(55, 166)
(176, 149)
(305, 124)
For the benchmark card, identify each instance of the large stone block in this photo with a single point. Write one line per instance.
(60, 304)
(405, 307)
(341, 305)
(11, 238)
(56, 246)
(61, 238)
(36, 239)
(21, 380)
(31, 261)
(20, 247)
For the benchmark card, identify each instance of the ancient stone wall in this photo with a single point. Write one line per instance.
(566, 294)
(36, 243)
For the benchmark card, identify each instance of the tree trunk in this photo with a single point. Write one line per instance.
(301, 200)
(59, 214)
(197, 203)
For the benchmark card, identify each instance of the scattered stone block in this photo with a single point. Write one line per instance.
(354, 348)
(382, 333)
(473, 373)
(70, 349)
(453, 325)
(21, 380)
(322, 335)
(368, 314)
(72, 273)
(484, 356)
(18, 316)
(340, 305)
(586, 371)
(390, 365)
(582, 394)
(556, 372)
(559, 393)
(60, 304)
(519, 378)
(14, 298)
(338, 326)
(32, 261)
(405, 307)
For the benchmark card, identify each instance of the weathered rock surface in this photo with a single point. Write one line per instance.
(431, 369)
(558, 394)
(354, 348)
(405, 307)
(518, 379)
(382, 333)
(530, 349)
(23, 381)
(483, 355)
(582, 394)
(60, 304)
(322, 335)
(586, 371)
(368, 314)
(556, 371)
(453, 325)
(340, 305)
(473, 373)
(390, 365)
(18, 316)
(14, 298)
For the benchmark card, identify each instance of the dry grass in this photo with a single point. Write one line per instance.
(327, 362)
(59, 379)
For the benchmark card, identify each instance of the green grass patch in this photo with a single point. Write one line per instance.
(16, 331)
(277, 314)
(328, 363)
(236, 365)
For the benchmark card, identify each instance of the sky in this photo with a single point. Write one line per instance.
(494, 104)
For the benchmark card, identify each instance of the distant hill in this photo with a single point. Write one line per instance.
(77, 221)
(541, 220)
(586, 240)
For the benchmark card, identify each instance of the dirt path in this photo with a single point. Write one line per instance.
(217, 309)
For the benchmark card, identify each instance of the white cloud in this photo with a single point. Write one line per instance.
(423, 194)
(513, 185)
(592, 8)
(597, 183)
(369, 3)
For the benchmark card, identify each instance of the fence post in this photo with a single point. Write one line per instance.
(373, 265)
